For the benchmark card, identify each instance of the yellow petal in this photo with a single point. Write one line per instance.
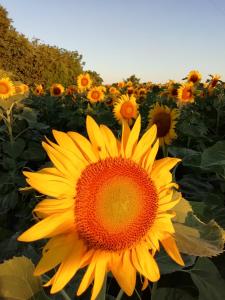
(151, 156)
(165, 164)
(170, 246)
(96, 137)
(51, 185)
(133, 138)
(100, 273)
(48, 207)
(67, 165)
(124, 139)
(48, 227)
(87, 278)
(65, 142)
(68, 267)
(84, 145)
(110, 141)
(145, 143)
(147, 263)
(124, 272)
(55, 254)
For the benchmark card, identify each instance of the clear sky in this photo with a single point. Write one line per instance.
(155, 39)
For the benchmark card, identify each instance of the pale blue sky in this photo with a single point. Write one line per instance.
(156, 40)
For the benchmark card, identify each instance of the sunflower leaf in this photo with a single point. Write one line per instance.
(17, 280)
(195, 237)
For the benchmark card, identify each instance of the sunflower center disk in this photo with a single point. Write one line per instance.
(4, 88)
(127, 110)
(187, 94)
(163, 122)
(95, 95)
(116, 204)
(84, 81)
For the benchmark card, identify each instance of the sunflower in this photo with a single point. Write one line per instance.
(115, 223)
(130, 90)
(6, 88)
(213, 82)
(19, 89)
(56, 90)
(71, 90)
(186, 93)
(113, 90)
(126, 109)
(129, 83)
(165, 119)
(121, 84)
(84, 82)
(39, 90)
(95, 94)
(194, 77)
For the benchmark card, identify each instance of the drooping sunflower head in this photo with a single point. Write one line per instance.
(214, 80)
(108, 207)
(39, 90)
(126, 109)
(6, 88)
(84, 82)
(186, 94)
(71, 90)
(194, 77)
(95, 94)
(56, 90)
(165, 119)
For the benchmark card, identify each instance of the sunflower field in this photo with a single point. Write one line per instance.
(112, 192)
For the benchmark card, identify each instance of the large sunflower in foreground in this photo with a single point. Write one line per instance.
(165, 119)
(108, 207)
(6, 88)
(84, 82)
(126, 109)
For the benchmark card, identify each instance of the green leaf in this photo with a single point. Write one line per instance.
(17, 280)
(166, 293)
(195, 237)
(208, 280)
(214, 156)
(15, 149)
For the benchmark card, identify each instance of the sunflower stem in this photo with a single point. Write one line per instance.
(154, 288)
(164, 150)
(65, 295)
(120, 295)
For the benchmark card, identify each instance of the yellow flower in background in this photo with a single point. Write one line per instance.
(71, 90)
(186, 94)
(6, 88)
(165, 119)
(84, 82)
(113, 90)
(194, 77)
(121, 84)
(126, 109)
(95, 94)
(130, 90)
(56, 90)
(25, 88)
(141, 92)
(39, 90)
(19, 89)
(103, 88)
(113, 224)
(129, 83)
(213, 82)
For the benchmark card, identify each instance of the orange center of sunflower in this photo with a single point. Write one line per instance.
(163, 123)
(194, 78)
(127, 110)
(4, 88)
(116, 204)
(84, 81)
(56, 91)
(186, 94)
(95, 95)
